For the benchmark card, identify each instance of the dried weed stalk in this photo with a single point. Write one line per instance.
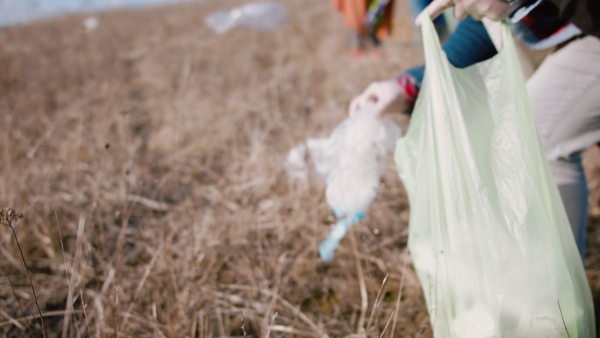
(20, 307)
(9, 217)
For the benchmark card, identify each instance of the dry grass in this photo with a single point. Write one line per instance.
(147, 159)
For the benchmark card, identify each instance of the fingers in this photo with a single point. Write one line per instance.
(460, 13)
(435, 8)
(463, 8)
(496, 10)
(388, 97)
(381, 106)
(355, 105)
(358, 102)
(477, 9)
(370, 94)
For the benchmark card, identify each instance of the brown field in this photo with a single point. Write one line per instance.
(152, 151)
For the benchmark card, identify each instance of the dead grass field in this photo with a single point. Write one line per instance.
(152, 150)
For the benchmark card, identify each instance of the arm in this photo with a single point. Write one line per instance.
(468, 45)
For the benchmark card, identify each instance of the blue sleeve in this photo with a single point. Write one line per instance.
(417, 6)
(469, 44)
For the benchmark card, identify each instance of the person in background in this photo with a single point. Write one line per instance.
(564, 90)
(367, 21)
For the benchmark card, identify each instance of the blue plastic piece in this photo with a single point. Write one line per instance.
(328, 246)
(339, 212)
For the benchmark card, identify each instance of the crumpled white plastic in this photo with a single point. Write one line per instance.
(351, 160)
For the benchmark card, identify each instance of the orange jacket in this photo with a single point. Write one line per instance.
(354, 12)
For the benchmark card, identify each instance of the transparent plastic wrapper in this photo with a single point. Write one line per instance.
(262, 16)
(489, 235)
(352, 160)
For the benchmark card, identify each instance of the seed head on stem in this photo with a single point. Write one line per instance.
(9, 217)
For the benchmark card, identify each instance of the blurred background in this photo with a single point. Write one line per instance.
(147, 154)
(20, 11)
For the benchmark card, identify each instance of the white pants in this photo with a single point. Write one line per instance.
(565, 100)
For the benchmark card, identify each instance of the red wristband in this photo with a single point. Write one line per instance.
(407, 83)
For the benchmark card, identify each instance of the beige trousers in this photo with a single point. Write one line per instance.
(565, 99)
(564, 88)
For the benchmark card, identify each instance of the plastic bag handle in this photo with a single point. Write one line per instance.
(437, 67)
(431, 41)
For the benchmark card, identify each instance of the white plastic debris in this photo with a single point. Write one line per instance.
(351, 160)
(261, 16)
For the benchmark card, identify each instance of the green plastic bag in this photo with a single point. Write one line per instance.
(489, 235)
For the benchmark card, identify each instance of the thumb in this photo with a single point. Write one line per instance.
(435, 8)
(381, 106)
(355, 105)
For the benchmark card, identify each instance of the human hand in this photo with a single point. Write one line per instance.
(388, 96)
(493, 9)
